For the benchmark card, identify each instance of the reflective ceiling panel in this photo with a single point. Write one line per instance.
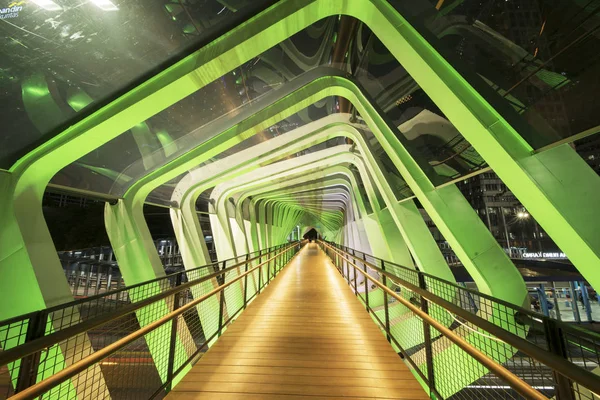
(114, 167)
(63, 58)
(458, 29)
(537, 62)
(162, 194)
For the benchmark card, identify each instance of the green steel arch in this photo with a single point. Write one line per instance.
(541, 181)
(556, 186)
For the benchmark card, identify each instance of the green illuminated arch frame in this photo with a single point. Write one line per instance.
(224, 191)
(453, 215)
(556, 186)
(405, 215)
(278, 177)
(310, 140)
(408, 330)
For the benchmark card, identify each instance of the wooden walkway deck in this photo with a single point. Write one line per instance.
(305, 336)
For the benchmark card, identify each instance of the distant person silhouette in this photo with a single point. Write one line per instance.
(311, 235)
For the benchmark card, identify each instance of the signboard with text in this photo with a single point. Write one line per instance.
(544, 255)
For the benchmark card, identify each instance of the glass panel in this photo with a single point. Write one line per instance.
(443, 153)
(64, 57)
(202, 115)
(163, 193)
(539, 57)
(440, 149)
(504, 215)
(398, 185)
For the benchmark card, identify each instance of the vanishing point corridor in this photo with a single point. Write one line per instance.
(305, 335)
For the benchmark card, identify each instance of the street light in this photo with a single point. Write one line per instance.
(522, 215)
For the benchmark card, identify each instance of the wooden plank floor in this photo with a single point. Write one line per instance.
(305, 336)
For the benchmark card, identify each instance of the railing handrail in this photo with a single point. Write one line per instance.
(78, 302)
(590, 334)
(79, 366)
(516, 383)
(16, 353)
(560, 365)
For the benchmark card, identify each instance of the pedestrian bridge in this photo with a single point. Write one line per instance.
(407, 135)
(306, 335)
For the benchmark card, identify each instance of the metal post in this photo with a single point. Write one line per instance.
(28, 370)
(347, 269)
(427, 338)
(246, 283)
(173, 339)
(354, 271)
(98, 278)
(335, 260)
(221, 307)
(269, 269)
(275, 261)
(171, 252)
(366, 282)
(556, 344)
(586, 301)
(259, 270)
(574, 306)
(109, 279)
(385, 304)
(555, 295)
(88, 273)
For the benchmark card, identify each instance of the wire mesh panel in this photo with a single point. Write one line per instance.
(145, 345)
(391, 293)
(583, 349)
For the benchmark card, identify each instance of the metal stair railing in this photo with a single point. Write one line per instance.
(141, 337)
(424, 316)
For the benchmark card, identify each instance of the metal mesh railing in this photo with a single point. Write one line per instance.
(553, 358)
(181, 314)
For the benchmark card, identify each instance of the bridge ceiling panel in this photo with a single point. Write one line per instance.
(408, 107)
(539, 57)
(163, 193)
(114, 167)
(61, 59)
(76, 78)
